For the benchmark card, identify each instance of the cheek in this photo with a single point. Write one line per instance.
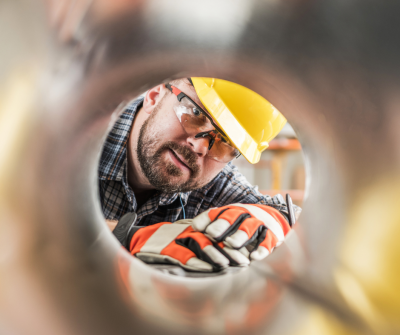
(167, 127)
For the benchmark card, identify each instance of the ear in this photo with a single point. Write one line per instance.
(152, 97)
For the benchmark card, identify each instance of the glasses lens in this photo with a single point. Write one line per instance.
(192, 119)
(222, 150)
(194, 122)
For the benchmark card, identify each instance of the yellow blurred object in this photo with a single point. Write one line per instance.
(370, 272)
(248, 119)
(16, 99)
(318, 322)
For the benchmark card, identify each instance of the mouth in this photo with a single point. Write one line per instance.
(178, 160)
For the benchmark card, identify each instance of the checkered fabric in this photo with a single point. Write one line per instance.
(117, 198)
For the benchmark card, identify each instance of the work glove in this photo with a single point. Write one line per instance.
(176, 243)
(252, 230)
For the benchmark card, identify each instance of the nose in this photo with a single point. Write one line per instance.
(199, 145)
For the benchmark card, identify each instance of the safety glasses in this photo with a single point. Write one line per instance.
(198, 124)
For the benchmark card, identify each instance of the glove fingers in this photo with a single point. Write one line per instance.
(259, 254)
(237, 257)
(188, 258)
(216, 256)
(221, 228)
(277, 216)
(237, 240)
(201, 221)
(200, 245)
(271, 221)
(248, 231)
(192, 264)
(179, 244)
(203, 249)
(226, 222)
(196, 264)
(178, 252)
(266, 246)
(227, 213)
(217, 228)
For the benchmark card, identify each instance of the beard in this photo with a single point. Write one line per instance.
(160, 173)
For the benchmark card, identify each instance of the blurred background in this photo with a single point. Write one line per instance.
(281, 167)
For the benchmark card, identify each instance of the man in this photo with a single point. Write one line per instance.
(168, 157)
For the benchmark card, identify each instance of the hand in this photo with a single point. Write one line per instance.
(254, 230)
(176, 243)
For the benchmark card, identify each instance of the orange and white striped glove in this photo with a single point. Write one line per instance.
(176, 243)
(253, 230)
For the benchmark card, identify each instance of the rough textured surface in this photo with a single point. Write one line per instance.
(330, 66)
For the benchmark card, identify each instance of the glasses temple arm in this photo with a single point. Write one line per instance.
(207, 134)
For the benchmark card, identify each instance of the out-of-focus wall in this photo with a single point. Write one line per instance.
(281, 167)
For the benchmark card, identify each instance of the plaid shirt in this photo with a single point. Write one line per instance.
(117, 197)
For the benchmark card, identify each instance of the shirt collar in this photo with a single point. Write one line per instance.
(169, 198)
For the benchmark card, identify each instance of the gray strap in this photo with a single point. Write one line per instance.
(124, 227)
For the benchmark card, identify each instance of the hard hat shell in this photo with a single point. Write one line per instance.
(248, 119)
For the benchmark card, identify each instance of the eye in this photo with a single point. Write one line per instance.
(196, 112)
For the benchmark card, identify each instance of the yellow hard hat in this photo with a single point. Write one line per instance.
(248, 119)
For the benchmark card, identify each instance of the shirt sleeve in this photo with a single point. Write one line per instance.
(233, 187)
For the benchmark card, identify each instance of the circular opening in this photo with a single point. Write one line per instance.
(50, 139)
(163, 171)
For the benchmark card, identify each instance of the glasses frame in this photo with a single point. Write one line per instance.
(180, 95)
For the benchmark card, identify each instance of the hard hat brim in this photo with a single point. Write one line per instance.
(248, 119)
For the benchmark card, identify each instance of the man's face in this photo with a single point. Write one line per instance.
(170, 159)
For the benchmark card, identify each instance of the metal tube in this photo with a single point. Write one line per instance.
(329, 66)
